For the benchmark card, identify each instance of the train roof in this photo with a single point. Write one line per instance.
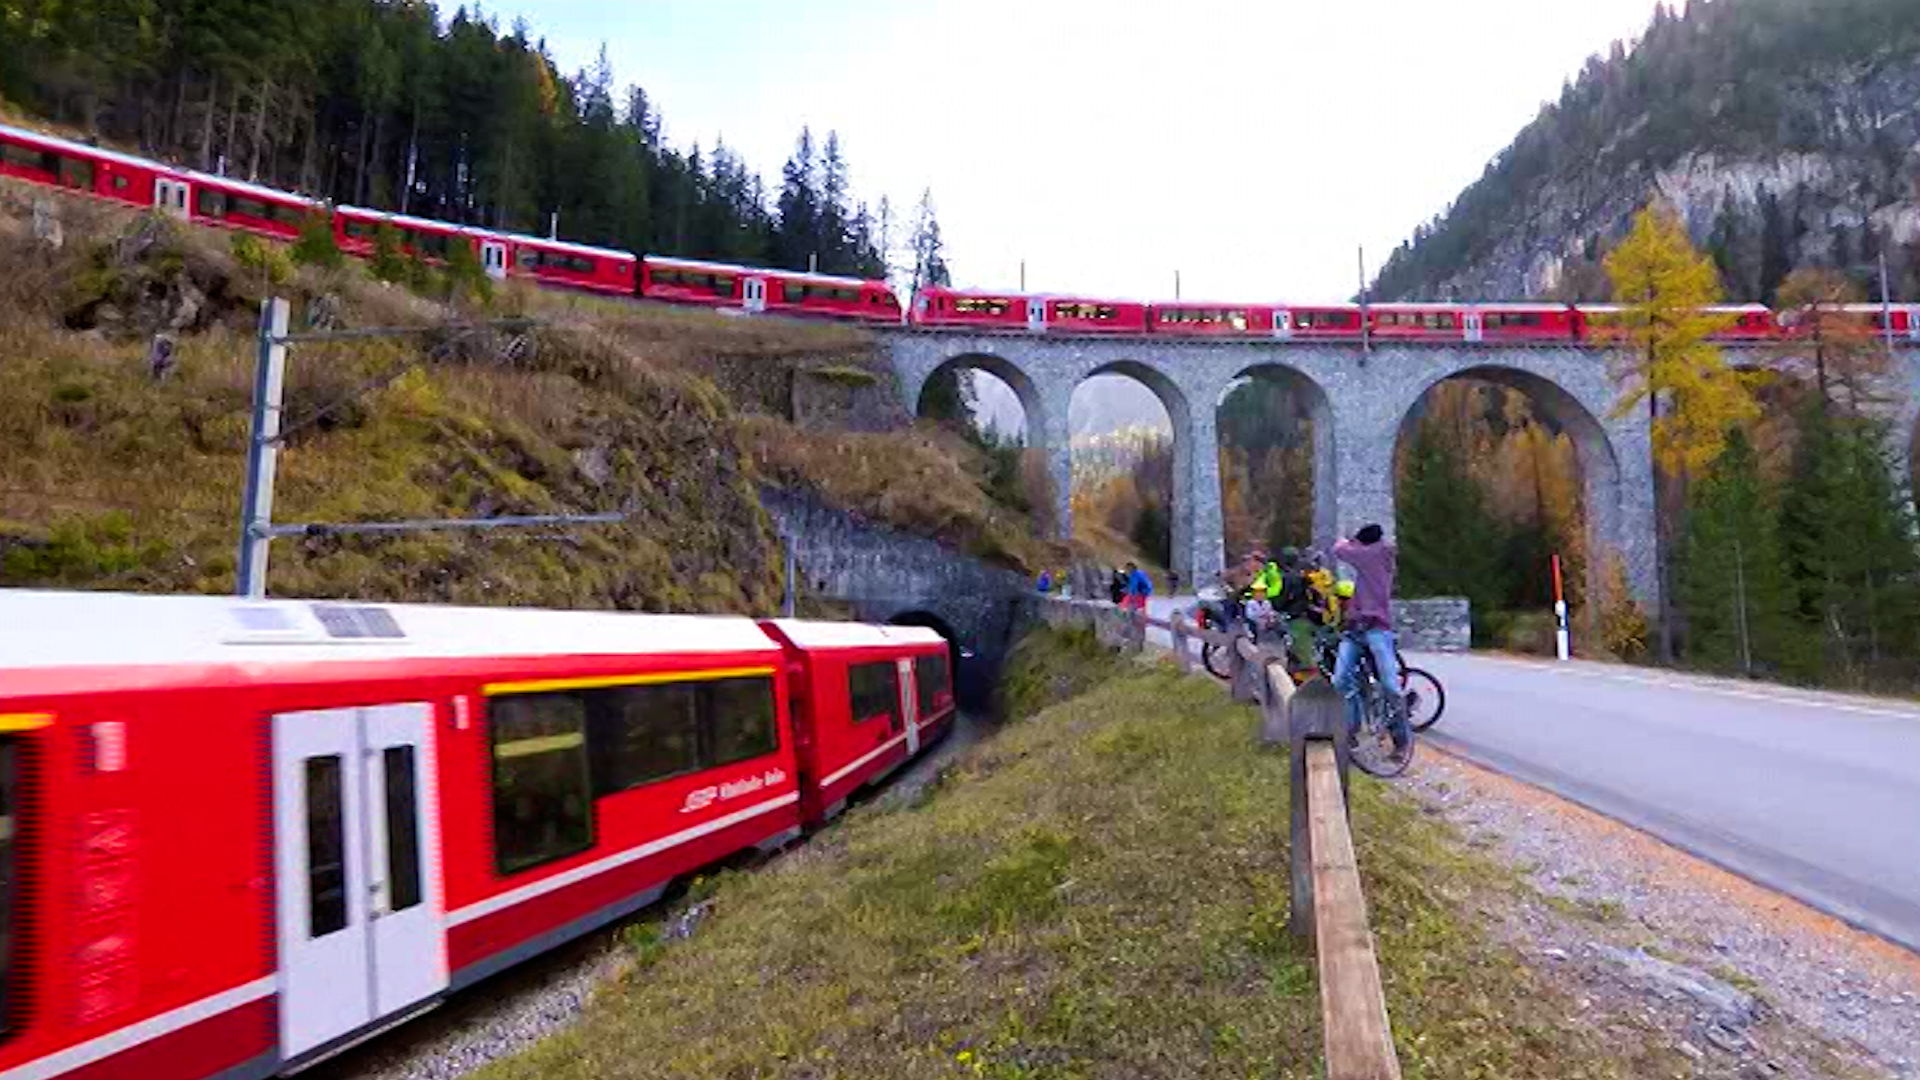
(812, 634)
(734, 268)
(55, 142)
(569, 246)
(259, 190)
(44, 629)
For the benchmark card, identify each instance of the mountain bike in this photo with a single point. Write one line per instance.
(1372, 747)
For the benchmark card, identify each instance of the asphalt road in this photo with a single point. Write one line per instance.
(1815, 795)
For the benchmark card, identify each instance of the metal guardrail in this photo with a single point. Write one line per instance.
(1327, 902)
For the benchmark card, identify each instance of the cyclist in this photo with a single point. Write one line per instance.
(1369, 624)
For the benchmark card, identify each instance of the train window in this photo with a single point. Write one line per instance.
(641, 734)
(210, 203)
(403, 829)
(542, 805)
(644, 734)
(721, 284)
(432, 245)
(977, 306)
(9, 870)
(22, 157)
(741, 714)
(326, 848)
(1097, 312)
(933, 684)
(120, 182)
(360, 230)
(875, 690)
(75, 172)
(529, 259)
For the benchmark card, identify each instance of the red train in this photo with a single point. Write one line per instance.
(237, 836)
(229, 203)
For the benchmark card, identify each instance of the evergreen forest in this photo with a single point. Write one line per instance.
(400, 105)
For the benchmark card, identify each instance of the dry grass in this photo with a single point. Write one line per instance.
(1100, 891)
(110, 479)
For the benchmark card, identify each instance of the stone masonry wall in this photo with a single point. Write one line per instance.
(1440, 624)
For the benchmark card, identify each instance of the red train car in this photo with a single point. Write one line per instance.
(1079, 315)
(943, 307)
(561, 264)
(1181, 318)
(236, 836)
(1425, 322)
(867, 698)
(44, 159)
(1905, 319)
(1525, 323)
(1749, 322)
(1336, 321)
(756, 289)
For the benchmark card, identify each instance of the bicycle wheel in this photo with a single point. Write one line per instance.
(1426, 698)
(1373, 752)
(1218, 660)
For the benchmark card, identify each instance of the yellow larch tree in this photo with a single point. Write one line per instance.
(1666, 359)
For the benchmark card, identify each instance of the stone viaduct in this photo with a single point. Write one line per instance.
(1360, 401)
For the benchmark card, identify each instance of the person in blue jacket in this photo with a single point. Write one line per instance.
(1139, 587)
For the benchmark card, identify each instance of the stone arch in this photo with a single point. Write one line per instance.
(1603, 489)
(1176, 402)
(1016, 377)
(1326, 465)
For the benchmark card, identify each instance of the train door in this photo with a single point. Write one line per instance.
(1036, 314)
(361, 933)
(493, 258)
(1471, 321)
(909, 704)
(1283, 324)
(756, 294)
(172, 196)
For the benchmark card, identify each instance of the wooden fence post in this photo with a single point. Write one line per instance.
(1316, 713)
(1177, 628)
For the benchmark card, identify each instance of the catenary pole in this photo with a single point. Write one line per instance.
(263, 448)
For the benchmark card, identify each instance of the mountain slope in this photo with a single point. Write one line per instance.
(1786, 132)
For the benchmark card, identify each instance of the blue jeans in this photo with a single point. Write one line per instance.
(1346, 677)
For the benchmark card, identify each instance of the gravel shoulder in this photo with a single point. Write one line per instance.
(1739, 981)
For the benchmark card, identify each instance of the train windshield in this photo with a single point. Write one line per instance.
(9, 835)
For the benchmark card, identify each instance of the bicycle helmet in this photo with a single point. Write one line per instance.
(1343, 590)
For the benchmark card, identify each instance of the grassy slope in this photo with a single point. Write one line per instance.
(109, 479)
(1099, 892)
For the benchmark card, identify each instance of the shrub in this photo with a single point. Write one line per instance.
(316, 246)
(465, 275)
(389, 261)
(262, 257)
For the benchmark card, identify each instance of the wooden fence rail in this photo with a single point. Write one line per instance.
(1327, 902)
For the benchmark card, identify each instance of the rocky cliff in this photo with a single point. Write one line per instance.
(1786, 132)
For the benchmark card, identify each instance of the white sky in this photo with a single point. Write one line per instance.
(1253, 147)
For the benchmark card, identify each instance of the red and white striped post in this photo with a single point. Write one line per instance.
(1560, 613)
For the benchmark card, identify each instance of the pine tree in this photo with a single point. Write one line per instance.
(929, 258)
(1732, 579)
(1450, 545)
(835, 225)
(1666, 360)
(1850, 543)
(797, 242)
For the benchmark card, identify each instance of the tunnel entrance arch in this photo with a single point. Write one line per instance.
(971, 685)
